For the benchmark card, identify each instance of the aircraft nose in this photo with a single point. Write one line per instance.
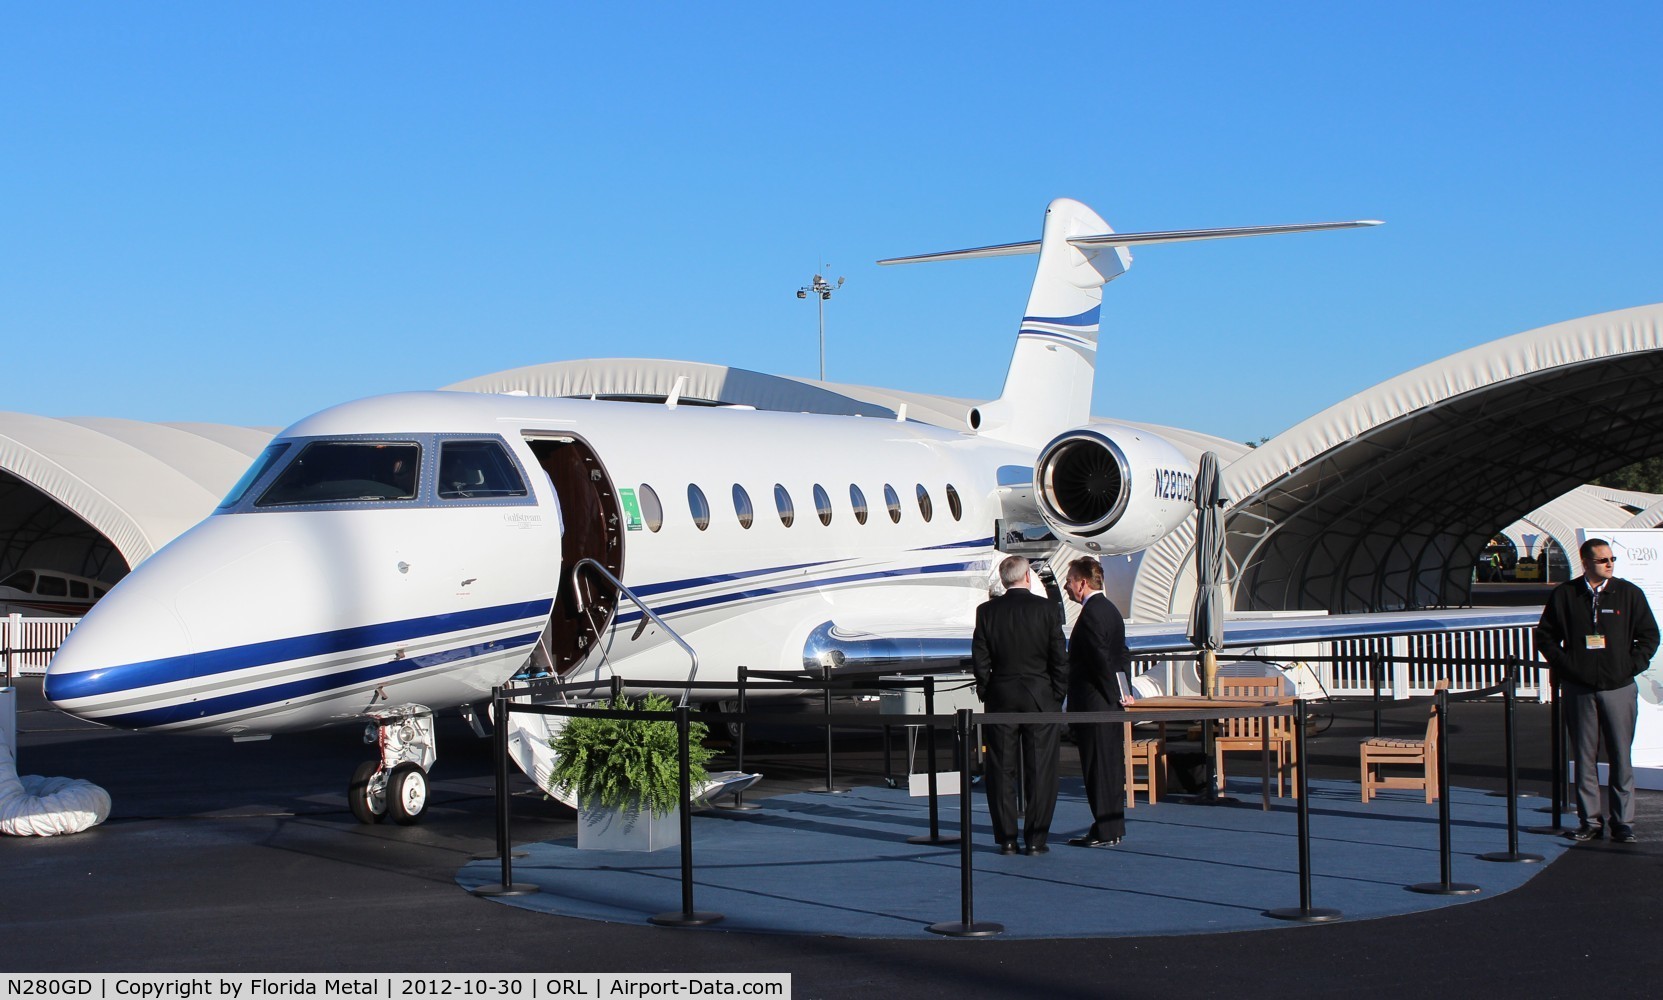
(118, 652)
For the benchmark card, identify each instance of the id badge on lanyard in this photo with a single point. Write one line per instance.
(1596, 639)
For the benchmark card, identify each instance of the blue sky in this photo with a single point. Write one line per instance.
(244, 213)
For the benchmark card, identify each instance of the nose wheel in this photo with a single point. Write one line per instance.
(406, 794)
(367, 795)
(395, 786)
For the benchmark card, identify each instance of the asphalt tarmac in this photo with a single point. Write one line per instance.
(222, 857)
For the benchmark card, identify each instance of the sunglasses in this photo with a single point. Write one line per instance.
(1607, 561)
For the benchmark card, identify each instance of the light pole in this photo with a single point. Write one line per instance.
(822, 291)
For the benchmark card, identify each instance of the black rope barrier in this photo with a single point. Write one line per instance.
(963, 722)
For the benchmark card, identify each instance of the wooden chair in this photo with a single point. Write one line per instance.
(1150, 754)
(1388, 750)
(1248, 735)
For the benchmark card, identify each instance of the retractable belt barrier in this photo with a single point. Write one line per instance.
(506, 702)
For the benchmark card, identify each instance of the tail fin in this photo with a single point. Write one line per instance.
(1048, 387)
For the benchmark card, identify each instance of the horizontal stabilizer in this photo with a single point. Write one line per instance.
(1133, 239)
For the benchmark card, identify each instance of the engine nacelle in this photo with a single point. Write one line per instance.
(1112, 489)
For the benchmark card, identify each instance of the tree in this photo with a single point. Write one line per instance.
(1645, 476)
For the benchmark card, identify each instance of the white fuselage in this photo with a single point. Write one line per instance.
(278, 617)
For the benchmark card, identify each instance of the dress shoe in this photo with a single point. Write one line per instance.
(1623, 835)
(1094, 842)
(1008, 847)
(1586, 832)
(1031, 850)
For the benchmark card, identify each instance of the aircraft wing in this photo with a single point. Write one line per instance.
(886, 646)
(1172, 637)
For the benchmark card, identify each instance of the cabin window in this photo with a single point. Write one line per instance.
(857, 500)
(782, 500)
(925, 507)
(98, 592)
(822, 504)
(261, 465)
(346, 472)
(699, 506)
(893, 501)
(954, 504)
(742, 506)
(23, 580)
(474, 470)
(52, 586)
(78, 589)
(652, 511)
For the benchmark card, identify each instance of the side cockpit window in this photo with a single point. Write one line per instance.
(472, 470)
(346, 472)
(261, 466)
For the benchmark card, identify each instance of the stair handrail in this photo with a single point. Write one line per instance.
(693, 671)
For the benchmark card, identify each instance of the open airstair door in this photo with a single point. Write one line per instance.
(591, 528)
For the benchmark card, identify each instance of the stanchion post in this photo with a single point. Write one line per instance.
(935, 836)
(1444, 886)
(826, 676)
(739, 804)
(1512, 853)
(505, 842)
(687, 917)
(966, 925)
(1376, 678)
(1305, 912)
(1556, 768)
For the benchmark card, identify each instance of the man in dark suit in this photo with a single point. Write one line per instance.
(1097, 653)
(1021, 665)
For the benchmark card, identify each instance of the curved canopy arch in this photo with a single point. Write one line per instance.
(73, 489)
(1383, 501)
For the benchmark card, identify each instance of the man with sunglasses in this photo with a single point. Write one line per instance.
(1597, 634)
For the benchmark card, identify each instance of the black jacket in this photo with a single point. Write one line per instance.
(1626, 621)
(1018, 654)
(1096, 652)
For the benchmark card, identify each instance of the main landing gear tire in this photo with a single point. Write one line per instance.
(406, 794)
(366, 796)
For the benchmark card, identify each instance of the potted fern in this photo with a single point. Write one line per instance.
(625, 774)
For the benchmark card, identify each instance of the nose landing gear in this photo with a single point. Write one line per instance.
(396, 785)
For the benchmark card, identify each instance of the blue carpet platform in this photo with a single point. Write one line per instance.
(840, 865)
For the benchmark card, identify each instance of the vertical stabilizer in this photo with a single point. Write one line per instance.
(1048, 387)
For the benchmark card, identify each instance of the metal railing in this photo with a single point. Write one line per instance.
(693, 670)
(26, 644)
(1470, 659)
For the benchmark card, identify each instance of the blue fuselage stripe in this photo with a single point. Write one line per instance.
(743, 595)
(171, 669)
(277, 694)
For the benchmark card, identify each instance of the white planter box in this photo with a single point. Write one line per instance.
(618, 830)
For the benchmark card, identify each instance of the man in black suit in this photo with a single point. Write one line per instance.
(1097, 653)
(1021, 665)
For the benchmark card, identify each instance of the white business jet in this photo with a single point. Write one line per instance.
(403, 554)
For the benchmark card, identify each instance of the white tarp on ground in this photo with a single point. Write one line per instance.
(33, 806)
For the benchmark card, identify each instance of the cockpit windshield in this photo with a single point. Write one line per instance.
(346, 472)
